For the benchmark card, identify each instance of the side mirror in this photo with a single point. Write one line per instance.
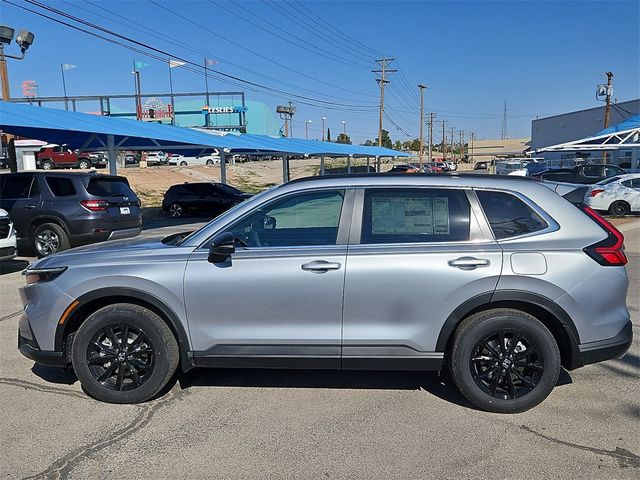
(222, 246)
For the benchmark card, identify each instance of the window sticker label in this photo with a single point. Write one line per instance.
(427, 216)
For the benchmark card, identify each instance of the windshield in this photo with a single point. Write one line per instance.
(256, 197)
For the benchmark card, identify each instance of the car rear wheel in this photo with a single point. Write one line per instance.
(124, 353)
(47, 165)
(175, 210)
(504, 360)
(84, 164)
(48, 239)
(209, 162)
(619, 208)
(183, 163)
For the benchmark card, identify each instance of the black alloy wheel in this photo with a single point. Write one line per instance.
(506, 364)
(120, 357)
(619, 209)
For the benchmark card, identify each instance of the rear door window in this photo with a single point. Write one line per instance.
(61, 187)
(109, 187)
(592, 171)
(16, 186)
(508, 215)
(414, 215)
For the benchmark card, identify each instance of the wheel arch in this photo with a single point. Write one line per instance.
(94, 300)
(554, 317)
(38, 220)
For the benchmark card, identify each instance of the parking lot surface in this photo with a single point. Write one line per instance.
(315, 424)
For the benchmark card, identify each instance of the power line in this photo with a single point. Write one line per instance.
(302, 98)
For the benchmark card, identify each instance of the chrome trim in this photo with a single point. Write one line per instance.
(126, 233)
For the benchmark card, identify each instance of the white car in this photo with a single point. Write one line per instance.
(156, 158)
(183, 161)
(8, 245)
(619, 195)
(453, 166)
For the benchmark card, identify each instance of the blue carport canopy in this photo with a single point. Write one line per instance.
(95, 132)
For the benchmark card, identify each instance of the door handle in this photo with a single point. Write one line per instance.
(29, 206)
(320, 266)
(469, 263)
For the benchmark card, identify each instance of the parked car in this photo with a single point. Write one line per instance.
(586, 173)
(53, 211)
(8, 245)
(481, 166)
(511, 271)
(4, 163)
(206, 198)
(453, 166)
(405, 169)
(156, 158)
(98, 159)
(59, 156)
(183, 161)
(619, 195)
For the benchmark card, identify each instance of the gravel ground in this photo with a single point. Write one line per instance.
(249, 424)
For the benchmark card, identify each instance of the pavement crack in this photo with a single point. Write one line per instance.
(624, 457)
(61, 468)
(42, 388)
(10, 315)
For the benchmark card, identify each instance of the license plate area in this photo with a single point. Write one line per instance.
(125, 211)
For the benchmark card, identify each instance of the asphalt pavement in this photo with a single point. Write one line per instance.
(248, 424)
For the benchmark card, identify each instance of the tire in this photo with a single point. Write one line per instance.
(124, 374)
(47, 164)
(176, 210)
(49, 238)
(619, 208)
(209, 162)
(532, 364)
(183, 163)
(84, 164)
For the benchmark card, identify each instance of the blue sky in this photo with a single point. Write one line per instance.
(542, 57)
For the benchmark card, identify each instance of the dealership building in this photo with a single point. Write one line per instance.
(569, 127)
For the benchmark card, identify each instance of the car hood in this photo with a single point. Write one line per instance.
(100, 252)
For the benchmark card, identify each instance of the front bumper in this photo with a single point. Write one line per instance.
(610, 348)
(28, 346)
(7, 253)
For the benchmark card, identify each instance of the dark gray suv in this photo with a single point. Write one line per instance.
(500, 279)
(53, 211)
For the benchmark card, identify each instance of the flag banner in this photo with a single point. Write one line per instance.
(176, 63)
(68, 66)
(211, 61)
(138, 64)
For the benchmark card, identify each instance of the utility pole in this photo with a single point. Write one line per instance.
(461, 144)
(421, 87)
(504, 121)
(382, 80)
(472, 152)
(607, 108)
(453, 145)
(431, 137)
(444, 141)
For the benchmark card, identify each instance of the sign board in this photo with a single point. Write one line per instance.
(153, 109)
(221, 110)
(603, 90)
(29, 88)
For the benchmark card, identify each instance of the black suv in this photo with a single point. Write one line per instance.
(208, 199)
(53, 211)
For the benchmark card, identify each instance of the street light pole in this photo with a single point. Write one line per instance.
(323, 120)
(306, 129)
(4, 75)
(344, 127)
(421, 87)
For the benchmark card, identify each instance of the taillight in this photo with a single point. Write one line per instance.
(595, 191)
(610, 251)
(95, 205)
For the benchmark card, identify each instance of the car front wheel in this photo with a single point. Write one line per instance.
(504, 360)
(175, 210)
(84, 164)
(124, 353)
(48, 239)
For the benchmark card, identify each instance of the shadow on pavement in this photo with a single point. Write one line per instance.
(55, 374)
(13, 266)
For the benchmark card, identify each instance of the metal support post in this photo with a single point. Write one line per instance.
(321, 165)
(111, 151)
(378, 165)
(223, 167)
(285, 169)
(349, 164)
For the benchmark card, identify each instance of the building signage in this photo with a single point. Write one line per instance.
(219, 110)
(154, 109)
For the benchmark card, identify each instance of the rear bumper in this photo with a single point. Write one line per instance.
(107, 234)
(610, 348)
(28, 346)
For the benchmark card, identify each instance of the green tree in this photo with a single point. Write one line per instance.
(343, 138)
(328, 134)
(386, 140)
(415, 145)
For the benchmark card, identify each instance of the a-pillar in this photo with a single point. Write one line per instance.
(111, 153)
(223, 167)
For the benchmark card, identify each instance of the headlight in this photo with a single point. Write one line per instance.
(35, 275)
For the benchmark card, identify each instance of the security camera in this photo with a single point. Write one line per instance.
(25, 39)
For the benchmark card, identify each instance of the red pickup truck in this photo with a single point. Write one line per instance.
(59, 156)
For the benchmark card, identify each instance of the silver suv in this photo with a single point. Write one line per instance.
(502, 280)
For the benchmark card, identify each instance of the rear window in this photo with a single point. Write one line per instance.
(414, 215)
(60, 187)
(508, 215)
(109, 187)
